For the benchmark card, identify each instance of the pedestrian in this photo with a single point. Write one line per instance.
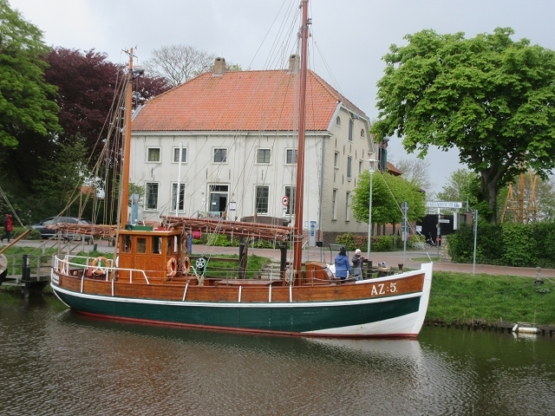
(357, 264)
(342, 264)
(8, 227)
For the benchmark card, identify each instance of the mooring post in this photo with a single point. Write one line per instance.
(242, 260)
(26, 274)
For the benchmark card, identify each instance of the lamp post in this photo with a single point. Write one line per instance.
(371, 171)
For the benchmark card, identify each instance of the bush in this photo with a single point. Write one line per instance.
(508, 244)
(379, 242)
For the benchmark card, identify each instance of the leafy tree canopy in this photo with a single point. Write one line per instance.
(89, 86)
(491, 97)
(25, 97)
(388, 193)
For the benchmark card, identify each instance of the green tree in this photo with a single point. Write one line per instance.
(25, 98)
(62, 178)
(388, 193)
(463, 186)
(489, 96)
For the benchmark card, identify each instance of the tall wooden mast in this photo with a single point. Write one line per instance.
(299, 197)
(124, 183)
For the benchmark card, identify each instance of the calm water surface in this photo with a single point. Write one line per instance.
(56, 363)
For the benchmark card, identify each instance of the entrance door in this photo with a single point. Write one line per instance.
(218, 200)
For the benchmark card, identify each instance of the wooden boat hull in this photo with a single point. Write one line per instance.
(367, 310)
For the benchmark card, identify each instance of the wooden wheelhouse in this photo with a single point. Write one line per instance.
(162, 253)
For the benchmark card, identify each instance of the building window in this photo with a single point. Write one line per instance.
(176, 155)
(263, 156)
(153, 154)
(349, 167)
(291, 157)
(338, 121)
(351, 126)
(336, 160)
(151, 195)
(359, 167)
(262, 194)
(333, 201)
(290, 193)
(220, 155)
(362, 135)
(181, 196)
(347, 196)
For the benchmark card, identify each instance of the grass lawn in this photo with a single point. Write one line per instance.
(460, 297)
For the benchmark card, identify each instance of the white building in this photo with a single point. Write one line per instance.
(238, 135)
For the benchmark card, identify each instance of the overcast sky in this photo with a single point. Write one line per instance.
(350, 36)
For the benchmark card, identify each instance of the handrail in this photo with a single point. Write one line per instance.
(108, 268)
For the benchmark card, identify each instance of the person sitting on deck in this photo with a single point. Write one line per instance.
(342, 264)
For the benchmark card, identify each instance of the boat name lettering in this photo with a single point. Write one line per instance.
(383, 289)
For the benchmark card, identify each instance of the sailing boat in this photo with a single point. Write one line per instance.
(152, 280)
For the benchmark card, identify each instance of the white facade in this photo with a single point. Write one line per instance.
(240, 174)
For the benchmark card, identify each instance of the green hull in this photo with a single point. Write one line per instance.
(286, 318)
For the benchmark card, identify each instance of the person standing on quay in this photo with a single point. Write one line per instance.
(8, 227)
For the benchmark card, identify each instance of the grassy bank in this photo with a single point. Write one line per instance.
(460, 297)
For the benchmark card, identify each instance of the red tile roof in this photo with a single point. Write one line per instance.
(393, 170)
(241, 101)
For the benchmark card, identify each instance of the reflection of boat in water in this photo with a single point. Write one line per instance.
(153, 281)
(401, 349)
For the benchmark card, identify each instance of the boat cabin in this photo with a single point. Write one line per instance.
(160, 252)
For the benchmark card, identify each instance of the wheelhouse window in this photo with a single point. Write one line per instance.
(127, 244)
(290, 193)
(156, 245)
(141, 245)
(220, 155)
(291, 157)
(176, 155)
(151, 195)
(180, 207)
(263, 156)
(153, 154)
(262, 197)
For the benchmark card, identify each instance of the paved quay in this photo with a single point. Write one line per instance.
(410, 259)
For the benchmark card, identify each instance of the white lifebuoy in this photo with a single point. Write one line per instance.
(171, 267)
(63, 266)
(97, 264)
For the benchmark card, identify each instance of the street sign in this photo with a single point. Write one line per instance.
(444, 220)
(284, 201)
(443, 204)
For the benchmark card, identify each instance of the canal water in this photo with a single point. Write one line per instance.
(54, 362)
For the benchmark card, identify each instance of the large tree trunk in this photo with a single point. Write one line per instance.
(490, 189)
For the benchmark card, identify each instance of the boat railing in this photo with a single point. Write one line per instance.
(64, 265)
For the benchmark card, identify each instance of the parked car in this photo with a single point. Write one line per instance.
(49, 233)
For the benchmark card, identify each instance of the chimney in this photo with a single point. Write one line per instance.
(219, 67)
(294, 61)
